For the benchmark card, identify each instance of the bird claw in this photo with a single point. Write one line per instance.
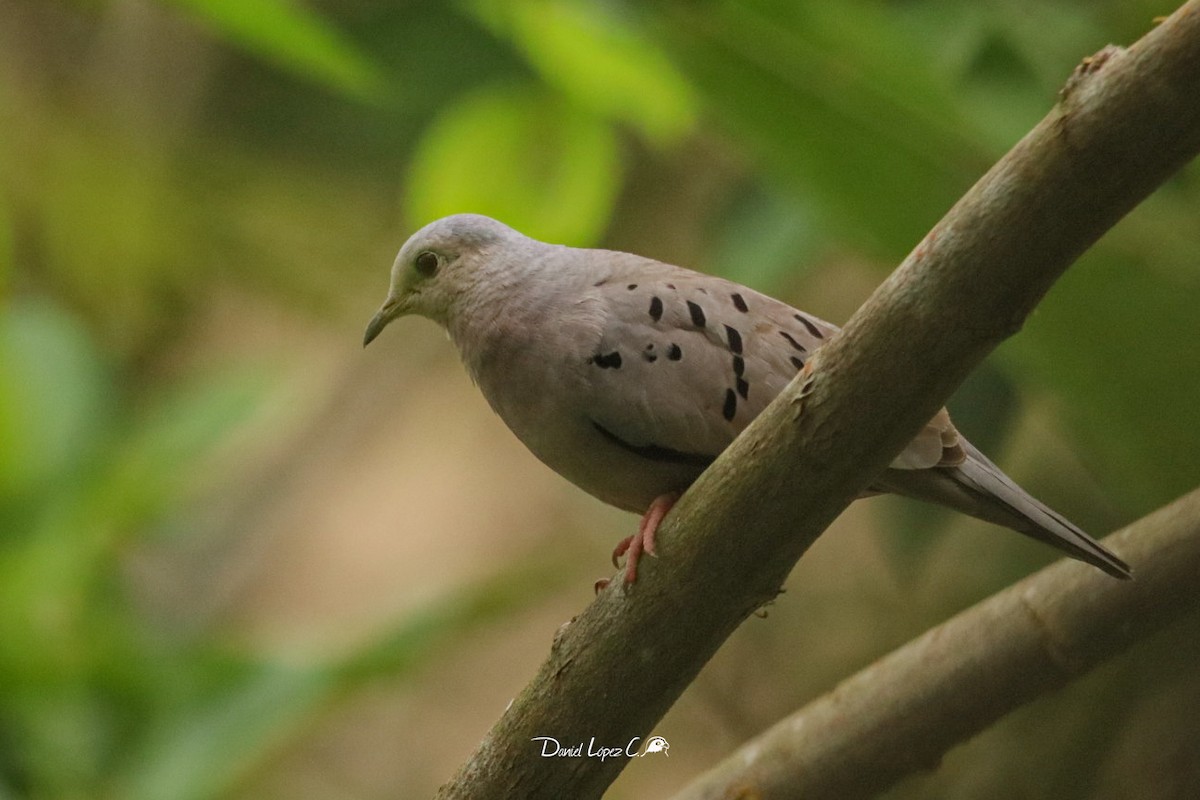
(643, 541)
(621, 549)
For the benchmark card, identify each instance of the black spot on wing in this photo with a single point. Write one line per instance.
(808, 323)
(656, 309)
(739, 366)
(606, 361)
(654, 452)
(792, 341)
(743, 388)
(735, 339)
(798, 363)
(674, 352)
(649, 353)
(631, 286)
(730, 407)
(739, 302)
(697, 313)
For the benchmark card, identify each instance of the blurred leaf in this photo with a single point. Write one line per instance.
(6, 262)
(105, 213)
(67, 641)
(829, 98)
(292, 37)
(522, 156)
(163, 456)
(408, 645)
(1115, 341)
(1016, 62)
(256, 710)
(54, 397)
(205, 751)
(77, 475)
(1050, 40)
(781, 233)
(599, 61)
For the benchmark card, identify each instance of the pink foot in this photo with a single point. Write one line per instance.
(643, 540)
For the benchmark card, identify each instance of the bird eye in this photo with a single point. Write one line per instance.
(427, 263)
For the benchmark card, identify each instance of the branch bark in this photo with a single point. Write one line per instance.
(892, 719)
(1125, 122)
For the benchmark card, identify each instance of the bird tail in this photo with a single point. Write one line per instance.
(979, 488)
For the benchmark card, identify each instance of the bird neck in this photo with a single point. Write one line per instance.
(505, 306)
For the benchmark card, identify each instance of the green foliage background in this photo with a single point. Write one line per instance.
(156, 155)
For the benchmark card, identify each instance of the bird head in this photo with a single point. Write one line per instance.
(434, 266)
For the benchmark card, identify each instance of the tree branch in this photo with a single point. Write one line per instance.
(1125, 122)
(891, 719)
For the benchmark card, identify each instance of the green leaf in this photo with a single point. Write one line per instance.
(206, 752)
(520, 155)
(293, 38)
(52, 396)
(830, 101)
(1115, 342)
(164, 455)
(599, 61)
(780, 230)
(257, 710)
(410, 644)
(6, 260)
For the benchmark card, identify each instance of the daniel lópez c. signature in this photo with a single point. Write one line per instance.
(552, 748)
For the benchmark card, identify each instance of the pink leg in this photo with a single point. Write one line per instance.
(643, 540)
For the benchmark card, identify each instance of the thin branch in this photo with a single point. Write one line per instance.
(892, 719)
(1127, 120)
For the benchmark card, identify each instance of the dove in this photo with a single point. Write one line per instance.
(629, 376)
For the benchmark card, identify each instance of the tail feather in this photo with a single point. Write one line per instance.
(979, 488)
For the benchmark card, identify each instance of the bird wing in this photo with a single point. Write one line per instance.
(684, 361)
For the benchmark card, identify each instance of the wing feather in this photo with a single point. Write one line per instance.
(699, 357)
